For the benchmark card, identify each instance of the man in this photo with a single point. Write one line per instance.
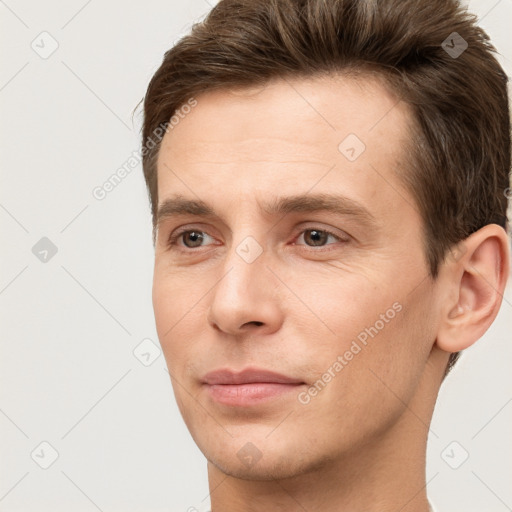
(329, 208)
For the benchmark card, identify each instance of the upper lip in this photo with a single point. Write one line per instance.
(247, 376)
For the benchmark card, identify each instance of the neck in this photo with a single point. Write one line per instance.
(383, 478)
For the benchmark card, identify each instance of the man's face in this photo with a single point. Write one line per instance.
(350, 316)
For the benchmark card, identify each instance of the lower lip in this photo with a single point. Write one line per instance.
(243, 395)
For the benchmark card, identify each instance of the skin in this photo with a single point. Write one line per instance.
(360, 443)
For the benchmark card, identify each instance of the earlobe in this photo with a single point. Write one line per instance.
(475, 284)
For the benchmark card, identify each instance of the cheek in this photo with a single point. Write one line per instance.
(163, 310)
(180, 309)
(375, 348)
(344, 308)
(172, 309)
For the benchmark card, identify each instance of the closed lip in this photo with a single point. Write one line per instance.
(227, 376)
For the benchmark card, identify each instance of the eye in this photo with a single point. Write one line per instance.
(195, 236)
(318, 237)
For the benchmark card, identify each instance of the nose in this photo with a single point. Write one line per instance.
(246, 296)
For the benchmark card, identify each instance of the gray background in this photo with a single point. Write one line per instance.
(70, 325)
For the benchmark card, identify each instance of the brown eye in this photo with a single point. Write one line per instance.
(318, 237)
(195, 237)
(192, 239)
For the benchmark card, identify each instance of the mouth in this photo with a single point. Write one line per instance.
(248, 387)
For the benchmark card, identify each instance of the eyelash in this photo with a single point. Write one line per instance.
(173, 238)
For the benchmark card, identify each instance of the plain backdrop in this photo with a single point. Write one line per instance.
(88, 420)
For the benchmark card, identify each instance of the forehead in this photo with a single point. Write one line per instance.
(308, 112)
(288, 134)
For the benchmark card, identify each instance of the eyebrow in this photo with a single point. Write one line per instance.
(308, 203)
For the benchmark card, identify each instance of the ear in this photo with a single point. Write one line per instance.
(474, 275)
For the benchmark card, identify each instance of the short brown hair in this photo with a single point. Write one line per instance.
(459, 168)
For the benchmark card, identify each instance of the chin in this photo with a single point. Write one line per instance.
(273, 468)
(264, 460)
